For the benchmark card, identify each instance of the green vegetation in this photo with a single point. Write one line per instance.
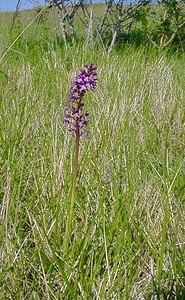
(127, 238)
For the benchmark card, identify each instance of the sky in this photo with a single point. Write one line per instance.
(10, 5)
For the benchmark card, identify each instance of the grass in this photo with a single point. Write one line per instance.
(128, 228)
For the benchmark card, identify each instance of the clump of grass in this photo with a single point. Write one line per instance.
(127, 234)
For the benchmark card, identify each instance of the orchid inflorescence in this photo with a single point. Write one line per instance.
(75, 119)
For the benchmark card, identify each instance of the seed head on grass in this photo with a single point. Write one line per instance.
(75, 119)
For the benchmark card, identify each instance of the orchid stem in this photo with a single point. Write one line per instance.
(71, 209)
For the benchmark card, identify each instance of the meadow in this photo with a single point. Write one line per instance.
(127, 237)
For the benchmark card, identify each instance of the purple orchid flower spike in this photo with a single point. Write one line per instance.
(74, 119)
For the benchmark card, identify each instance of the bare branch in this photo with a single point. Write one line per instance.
(173, 35)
